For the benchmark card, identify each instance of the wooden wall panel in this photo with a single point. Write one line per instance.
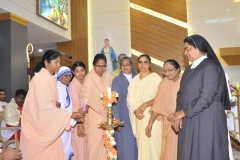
(78, 46)
(79, 19)
(154, 68)
(157, 38)
(33, 61)
(173, 8)
(232, 60)
(230, 55)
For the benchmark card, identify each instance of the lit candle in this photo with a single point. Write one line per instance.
(84, 105)
(109, 95)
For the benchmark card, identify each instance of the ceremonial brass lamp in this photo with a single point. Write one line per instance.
(109, 98)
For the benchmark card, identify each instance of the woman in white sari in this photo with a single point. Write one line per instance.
(141, 93)
(63, 77)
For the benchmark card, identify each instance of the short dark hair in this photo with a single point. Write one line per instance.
(174, 63)
(2, 90)
(98, 57)
(20, 91)
(49, 55)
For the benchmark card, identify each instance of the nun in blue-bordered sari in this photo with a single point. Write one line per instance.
(126, 141)
(63, 79)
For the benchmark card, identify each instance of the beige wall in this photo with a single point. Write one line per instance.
(108, 19)
(220, 26)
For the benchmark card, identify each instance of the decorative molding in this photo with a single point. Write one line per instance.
(13, 17)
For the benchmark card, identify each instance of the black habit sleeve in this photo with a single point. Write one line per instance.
(210, 87)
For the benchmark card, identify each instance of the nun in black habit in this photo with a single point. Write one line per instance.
(202, 100)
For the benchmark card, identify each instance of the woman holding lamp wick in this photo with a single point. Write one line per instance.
(95, 82)
(78, 132)
(41, 115)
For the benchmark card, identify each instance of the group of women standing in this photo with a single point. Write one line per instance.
(179, 117)
(183, 115)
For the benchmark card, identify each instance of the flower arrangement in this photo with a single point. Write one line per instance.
(109, 143)
(107, 100)
(235, 90)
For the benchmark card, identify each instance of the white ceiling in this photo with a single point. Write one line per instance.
(43, 46)
(219, 22)
(2, 10)
(41, 38)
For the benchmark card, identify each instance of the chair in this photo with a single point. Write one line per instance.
(5, 144)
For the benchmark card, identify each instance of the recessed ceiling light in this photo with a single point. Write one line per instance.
(212, 20)
(226, 19)
(219, 20)
(40, 50)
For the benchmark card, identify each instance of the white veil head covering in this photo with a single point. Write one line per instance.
(203, 46)
(63, 70)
